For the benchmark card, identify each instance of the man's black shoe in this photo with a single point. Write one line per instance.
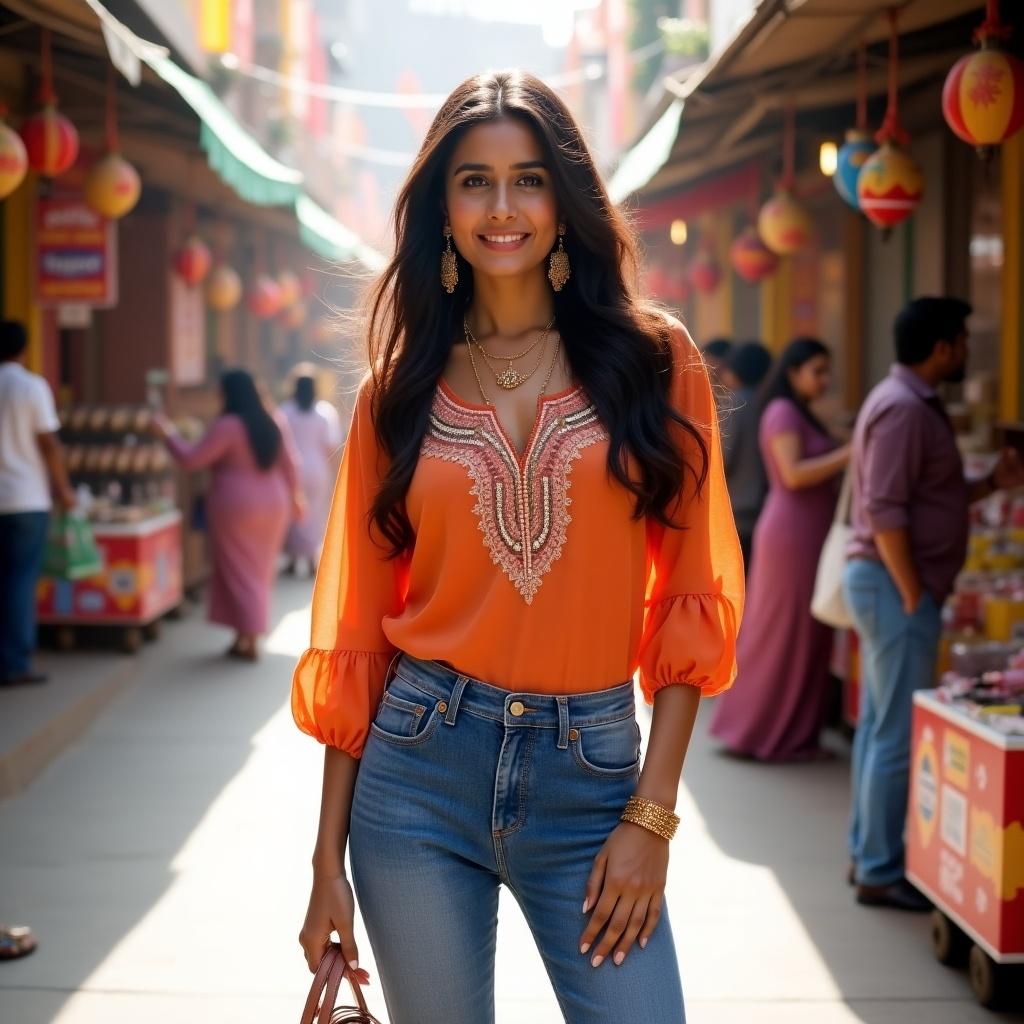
(899, 895)
(25, 679)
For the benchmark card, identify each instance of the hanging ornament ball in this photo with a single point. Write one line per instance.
(13, 160)
(291, 288)
(751, 258)
(223, 288)
(853, 154)
(705, 274)
(264, 297)
(192, 261)
(51, 142)
(293, 316)
(890, 186)
(784, 225)
(112, 187)
(983, 98)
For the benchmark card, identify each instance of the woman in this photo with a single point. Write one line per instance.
(253, 492)
(775, 711)
(317, 434)
(474, 632)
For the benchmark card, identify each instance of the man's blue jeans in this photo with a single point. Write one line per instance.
(898, 654)
(464, 787)
(22, 544)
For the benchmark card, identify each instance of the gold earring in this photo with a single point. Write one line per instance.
(449, 267)
(559, 271)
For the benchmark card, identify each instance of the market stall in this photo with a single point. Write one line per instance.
(125, 482)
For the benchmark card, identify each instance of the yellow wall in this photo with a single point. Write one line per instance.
(17, 268)
(1012, 335)
(777, 307)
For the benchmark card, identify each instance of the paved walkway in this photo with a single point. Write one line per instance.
(163, 863)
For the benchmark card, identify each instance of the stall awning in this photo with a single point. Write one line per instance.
(328, 237)
(230, 150)
(648, 156)
(788, 51)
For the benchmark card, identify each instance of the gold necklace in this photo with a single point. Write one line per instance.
(510, 378)
(543, 387)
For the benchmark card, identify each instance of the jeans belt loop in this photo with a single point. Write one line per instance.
(563, 722)
(453, 700)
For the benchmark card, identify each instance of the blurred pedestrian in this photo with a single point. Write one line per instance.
(716, 354)
(745, 370)
(254, 492)
(31, 466)
(474, 634)
(776, 709)
(316, 431)
(909, 517)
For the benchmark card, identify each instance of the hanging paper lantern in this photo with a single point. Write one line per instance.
(890, 186)
(264, 297)
(291, 288)
(983, 98)
(223, 289)
(293, 316)
(751, 258)
(192, 261)
(112, 187)
(852, 155)
(51, 142)
(783, 224)
(13, 160)
(705, 274)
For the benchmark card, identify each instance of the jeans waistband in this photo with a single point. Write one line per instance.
(516, 708)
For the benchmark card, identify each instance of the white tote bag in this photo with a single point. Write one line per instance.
(828, 604)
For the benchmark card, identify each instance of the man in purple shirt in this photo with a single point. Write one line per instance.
(909, 519)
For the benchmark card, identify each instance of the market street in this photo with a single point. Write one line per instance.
(163, 864)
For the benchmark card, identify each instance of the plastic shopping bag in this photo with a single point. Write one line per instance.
(71, 549)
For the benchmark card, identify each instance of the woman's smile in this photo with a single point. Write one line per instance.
(504, 241)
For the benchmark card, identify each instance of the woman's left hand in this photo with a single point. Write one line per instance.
(625, 889)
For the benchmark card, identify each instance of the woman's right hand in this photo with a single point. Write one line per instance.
(331, 908)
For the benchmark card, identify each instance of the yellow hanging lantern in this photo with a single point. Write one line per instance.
(112, 188)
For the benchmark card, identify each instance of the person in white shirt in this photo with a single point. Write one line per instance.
(31, 461)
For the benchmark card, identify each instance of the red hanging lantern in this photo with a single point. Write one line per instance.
(705, 273)
(291, 288)
(192, 261)
(264, 298)
(51, 140)
(983, 97)
(223, 289)
(13, 158)
(890, 184)
(112, 188)
(751, 258)
(783, 223)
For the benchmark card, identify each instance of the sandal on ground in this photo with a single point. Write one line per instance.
(16, 942)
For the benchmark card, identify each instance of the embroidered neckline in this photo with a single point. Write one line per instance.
(522, 501)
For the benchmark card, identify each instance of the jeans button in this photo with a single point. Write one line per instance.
(442, 706)
(517, 707)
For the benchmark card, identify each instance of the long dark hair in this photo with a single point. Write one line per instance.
(242, 399)
(305, 393)
(618, 348)
(778, 385)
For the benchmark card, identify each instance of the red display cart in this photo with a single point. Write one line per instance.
(141, 582)
(965, 843)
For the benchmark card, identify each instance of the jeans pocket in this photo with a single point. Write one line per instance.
(863, 602)
(610, 750)
(405, 715)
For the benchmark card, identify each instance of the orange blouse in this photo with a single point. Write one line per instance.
(526, 572)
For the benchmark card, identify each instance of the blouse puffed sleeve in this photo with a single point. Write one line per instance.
(340, 679)
(695, 588)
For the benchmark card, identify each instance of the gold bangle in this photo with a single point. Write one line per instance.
(651, 816)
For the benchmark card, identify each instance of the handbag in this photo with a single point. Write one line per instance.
(323, 994)
(828, 604)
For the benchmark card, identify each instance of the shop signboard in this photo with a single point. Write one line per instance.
(75, 254)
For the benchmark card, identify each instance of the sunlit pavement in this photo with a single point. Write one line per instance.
(164, 865)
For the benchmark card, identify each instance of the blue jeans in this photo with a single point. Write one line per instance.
(898, 654)
(22, 544)
(457, 794)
